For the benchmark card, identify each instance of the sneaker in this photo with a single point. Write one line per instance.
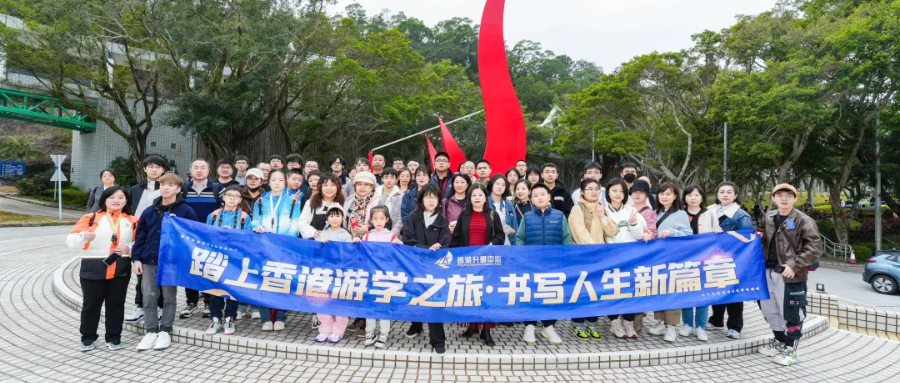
(213, 327)
(710, 326)
(188, 311)
(629, 329)
(321, 338)
(114, 346)
(335, 338)
(773, 348)
(658, 329)
(267, 326)
(581, 334)
(686, 330)
(550, 333)
(316, 322)
(229, 326)
(163, 340)
(439, 350)
(147, 342)
(615, 327)
(254, 314)
(592, 331)
(671, 334)
(528, 335)
(135, 315)
(370, 339)
(382, 341)
(734, 334)
(358, 324)
(701, 334)
(787, 357)
(279, 325)
(205, 313)
(85, 347)
(412, 332)
(240, 315)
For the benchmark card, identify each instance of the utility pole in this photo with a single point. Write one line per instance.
(593, 141)
(878, 211)
(725, 158)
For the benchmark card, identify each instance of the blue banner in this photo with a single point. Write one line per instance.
(471, 284)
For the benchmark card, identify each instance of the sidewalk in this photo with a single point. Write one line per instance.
(17, 205)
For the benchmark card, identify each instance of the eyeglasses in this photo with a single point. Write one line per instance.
(441, 161)
(232, 196)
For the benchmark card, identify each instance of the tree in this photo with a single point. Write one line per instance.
(19, 148)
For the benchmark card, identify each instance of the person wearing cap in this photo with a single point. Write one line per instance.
(359, 208)
(640, 196)
(791, 244)
(332, 327)
(225, 173)
(252, 190)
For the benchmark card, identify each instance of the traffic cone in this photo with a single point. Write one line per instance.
(853, 256)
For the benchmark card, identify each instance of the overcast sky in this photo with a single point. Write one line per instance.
(607, 32)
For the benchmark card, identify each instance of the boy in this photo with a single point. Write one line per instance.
(225, 172)
(241, 163)
(276, 162)
(791, 244)
(295, 186)
(543, 225)
(562, 200)
(142, 197)
(229, 217)
(145, 259)
(389, 195)
(203, 196)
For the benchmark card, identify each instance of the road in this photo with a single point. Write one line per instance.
(13, 206)
(850, 288)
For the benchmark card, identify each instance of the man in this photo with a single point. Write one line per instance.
(561, 199)
(629, 173)
(265, 168)
(389, 195)
(202, 196)
(468, 167)
(442, 173)
(591, 171)
(378, 166)
(142, 197)
(337, 165)
(308, 167)
(412, 166)
(241, 163)
(276, 162)
(294, 161)
(791, 244)
(522, 167)
(398, 164)
(483, 171)
(225, 171)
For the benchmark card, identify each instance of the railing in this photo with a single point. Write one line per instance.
(836, 250)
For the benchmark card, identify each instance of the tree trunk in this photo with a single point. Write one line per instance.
(810, 197)
(841, 226)
(137, 143)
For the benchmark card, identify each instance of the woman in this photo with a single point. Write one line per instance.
(108, 178)
(408, 204)
(427, 228)
(359, 206)
(512, 175)
(456, 204)
(589, 226)
(404, 180)
(478, 225)
(522, 199)
(728, 216)
(701, 221)
(499, 190)
(314, 217)
(533, 175)
(106, 234)
(671, 221)
(630, 227)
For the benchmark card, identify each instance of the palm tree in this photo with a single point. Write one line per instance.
(19, 148)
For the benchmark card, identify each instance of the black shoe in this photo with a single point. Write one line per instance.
(469, 332)
(440, 350)
(358, 324)
(507, 324)
(414, 329)
(486, 336)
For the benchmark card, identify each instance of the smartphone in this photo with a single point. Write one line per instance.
(112, 258)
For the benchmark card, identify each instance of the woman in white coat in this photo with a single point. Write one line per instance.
(630, 226)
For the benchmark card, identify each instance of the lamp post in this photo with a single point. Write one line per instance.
(725, 157)
(878, 211)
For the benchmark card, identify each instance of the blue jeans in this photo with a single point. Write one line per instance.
(702, 315)
(265, 316)
(217, 304)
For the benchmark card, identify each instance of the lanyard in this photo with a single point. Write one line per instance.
(113, 226)
(275, 209)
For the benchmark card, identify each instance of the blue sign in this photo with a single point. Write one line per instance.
(471, 284)
(12, 169)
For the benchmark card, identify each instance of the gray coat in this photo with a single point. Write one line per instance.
(678, 223)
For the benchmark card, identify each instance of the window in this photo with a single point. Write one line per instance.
(173, 145)
(152, 144)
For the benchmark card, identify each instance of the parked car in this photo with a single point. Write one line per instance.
(883, 271)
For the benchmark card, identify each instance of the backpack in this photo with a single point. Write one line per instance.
(215, 216)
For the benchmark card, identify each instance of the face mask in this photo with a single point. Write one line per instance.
(630, 178)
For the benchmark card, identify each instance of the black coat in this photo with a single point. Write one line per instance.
(495, 234)
(415, 233)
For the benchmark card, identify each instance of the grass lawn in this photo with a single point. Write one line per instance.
(8, 189)
(16, 219)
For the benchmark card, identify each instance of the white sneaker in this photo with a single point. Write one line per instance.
(213, 327)
(550, 333)
(773, 348)
(671, 334)
(229, 326)
(147, 342)
(629, 329)
(335, 338)
(279, 325)
(240, 315)
(528, 335)
(135, 315)
(382, 341)
(615, 327)
(686, 330)
(710, 326)
(162, 341)
(649, 320)
(267, 326)
(658, 329)
(733, 334)
(370, 339)
(254, 313)
(701, 334)
(787, 357)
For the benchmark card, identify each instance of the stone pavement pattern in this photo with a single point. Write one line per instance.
(39, 343)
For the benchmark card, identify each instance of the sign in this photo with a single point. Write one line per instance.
(12, 169)
(470, 284)
(58, 175)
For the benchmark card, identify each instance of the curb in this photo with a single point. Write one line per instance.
(42, 224)
(455, 362)
(37, 202)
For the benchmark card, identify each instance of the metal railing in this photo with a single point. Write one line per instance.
(836, 250)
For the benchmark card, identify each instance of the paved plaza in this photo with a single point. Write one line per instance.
(39, 343)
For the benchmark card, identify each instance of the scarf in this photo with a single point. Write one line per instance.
(358, 211)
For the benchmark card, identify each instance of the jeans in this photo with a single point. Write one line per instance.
(697, 320)
(735, 316)
(266, 316)
(139, 295)
(152, 293)
(217, 304)
(95, 293)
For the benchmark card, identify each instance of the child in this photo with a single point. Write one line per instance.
(331, 327)
(230, 217)
(630, 227)
(379, 217)
(389, 195)
(294, 184)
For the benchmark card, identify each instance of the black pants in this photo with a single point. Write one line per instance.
(139, 295)
(95, 293)
(735, 316)
(193, 296)
(436, 334)
(546, 323)
(627, 317)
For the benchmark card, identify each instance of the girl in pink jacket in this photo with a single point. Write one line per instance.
(379, 218)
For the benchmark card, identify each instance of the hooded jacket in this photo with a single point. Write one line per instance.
(146, 243)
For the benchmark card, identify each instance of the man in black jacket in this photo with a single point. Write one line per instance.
(560, 198)
(142, 197)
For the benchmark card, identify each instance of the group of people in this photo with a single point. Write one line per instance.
(406, 204)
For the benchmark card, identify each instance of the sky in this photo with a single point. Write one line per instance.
(606, 32)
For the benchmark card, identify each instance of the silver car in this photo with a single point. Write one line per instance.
(883, 271)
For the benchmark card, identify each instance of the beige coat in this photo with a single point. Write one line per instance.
(600, 228)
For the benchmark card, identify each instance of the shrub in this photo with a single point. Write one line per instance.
(71, 196)
(863, 253)
(35, 185)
